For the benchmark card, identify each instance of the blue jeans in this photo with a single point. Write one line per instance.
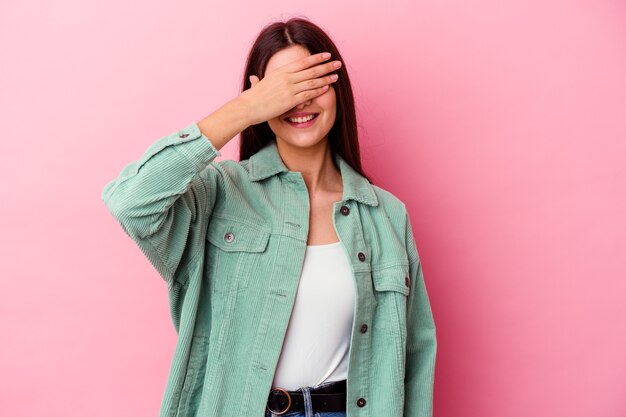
(308, 408)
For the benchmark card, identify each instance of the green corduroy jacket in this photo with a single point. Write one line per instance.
(229, 238)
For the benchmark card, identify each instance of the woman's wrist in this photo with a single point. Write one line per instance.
(225, 123)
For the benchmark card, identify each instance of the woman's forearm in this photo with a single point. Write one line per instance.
(225, 123)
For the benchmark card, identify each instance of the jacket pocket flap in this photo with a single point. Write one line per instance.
(233, 236)
(393, 278)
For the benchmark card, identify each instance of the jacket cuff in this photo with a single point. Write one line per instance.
(194, 145)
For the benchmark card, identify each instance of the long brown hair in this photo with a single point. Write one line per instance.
(343, 136)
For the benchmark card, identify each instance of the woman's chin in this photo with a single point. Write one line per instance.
(301, 141)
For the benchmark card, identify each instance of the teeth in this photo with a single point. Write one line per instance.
(301, 119)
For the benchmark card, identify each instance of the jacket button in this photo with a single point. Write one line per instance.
(229, 237)
(363, 328)
(183, 135)
(407, 281)
(345, 210)
(361, 256)
(360, 402)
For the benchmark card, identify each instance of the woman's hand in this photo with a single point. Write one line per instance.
(287, 86)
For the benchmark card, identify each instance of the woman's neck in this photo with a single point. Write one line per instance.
(315, 163)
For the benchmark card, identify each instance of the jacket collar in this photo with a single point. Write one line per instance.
(267, 162)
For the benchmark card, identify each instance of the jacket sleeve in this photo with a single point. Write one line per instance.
(421, 344)
(163, 200)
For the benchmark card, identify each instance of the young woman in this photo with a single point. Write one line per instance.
(294, 283)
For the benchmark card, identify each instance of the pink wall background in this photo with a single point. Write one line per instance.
(502, 125)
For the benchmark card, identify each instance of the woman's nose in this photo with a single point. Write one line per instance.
(303, 105)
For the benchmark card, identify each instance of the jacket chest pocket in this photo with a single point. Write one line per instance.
(391, 289)
(233, 253)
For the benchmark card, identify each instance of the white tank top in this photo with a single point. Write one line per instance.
(317, 341)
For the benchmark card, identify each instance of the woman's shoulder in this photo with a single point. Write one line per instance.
(390, 214)
(388, 200)
(228, 170)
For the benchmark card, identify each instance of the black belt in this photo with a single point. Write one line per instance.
(331, 397)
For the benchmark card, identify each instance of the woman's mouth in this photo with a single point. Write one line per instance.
(301, 122)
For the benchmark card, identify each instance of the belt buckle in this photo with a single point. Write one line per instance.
(288, 401)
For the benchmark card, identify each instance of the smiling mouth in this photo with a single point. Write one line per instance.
(303, 120)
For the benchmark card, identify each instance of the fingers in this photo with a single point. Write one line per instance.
(316, 71)
(311, 94)
(306, 62)
(315, 83)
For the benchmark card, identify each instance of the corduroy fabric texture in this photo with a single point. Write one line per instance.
(229, 237)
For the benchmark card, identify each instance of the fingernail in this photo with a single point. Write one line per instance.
(326, 55)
